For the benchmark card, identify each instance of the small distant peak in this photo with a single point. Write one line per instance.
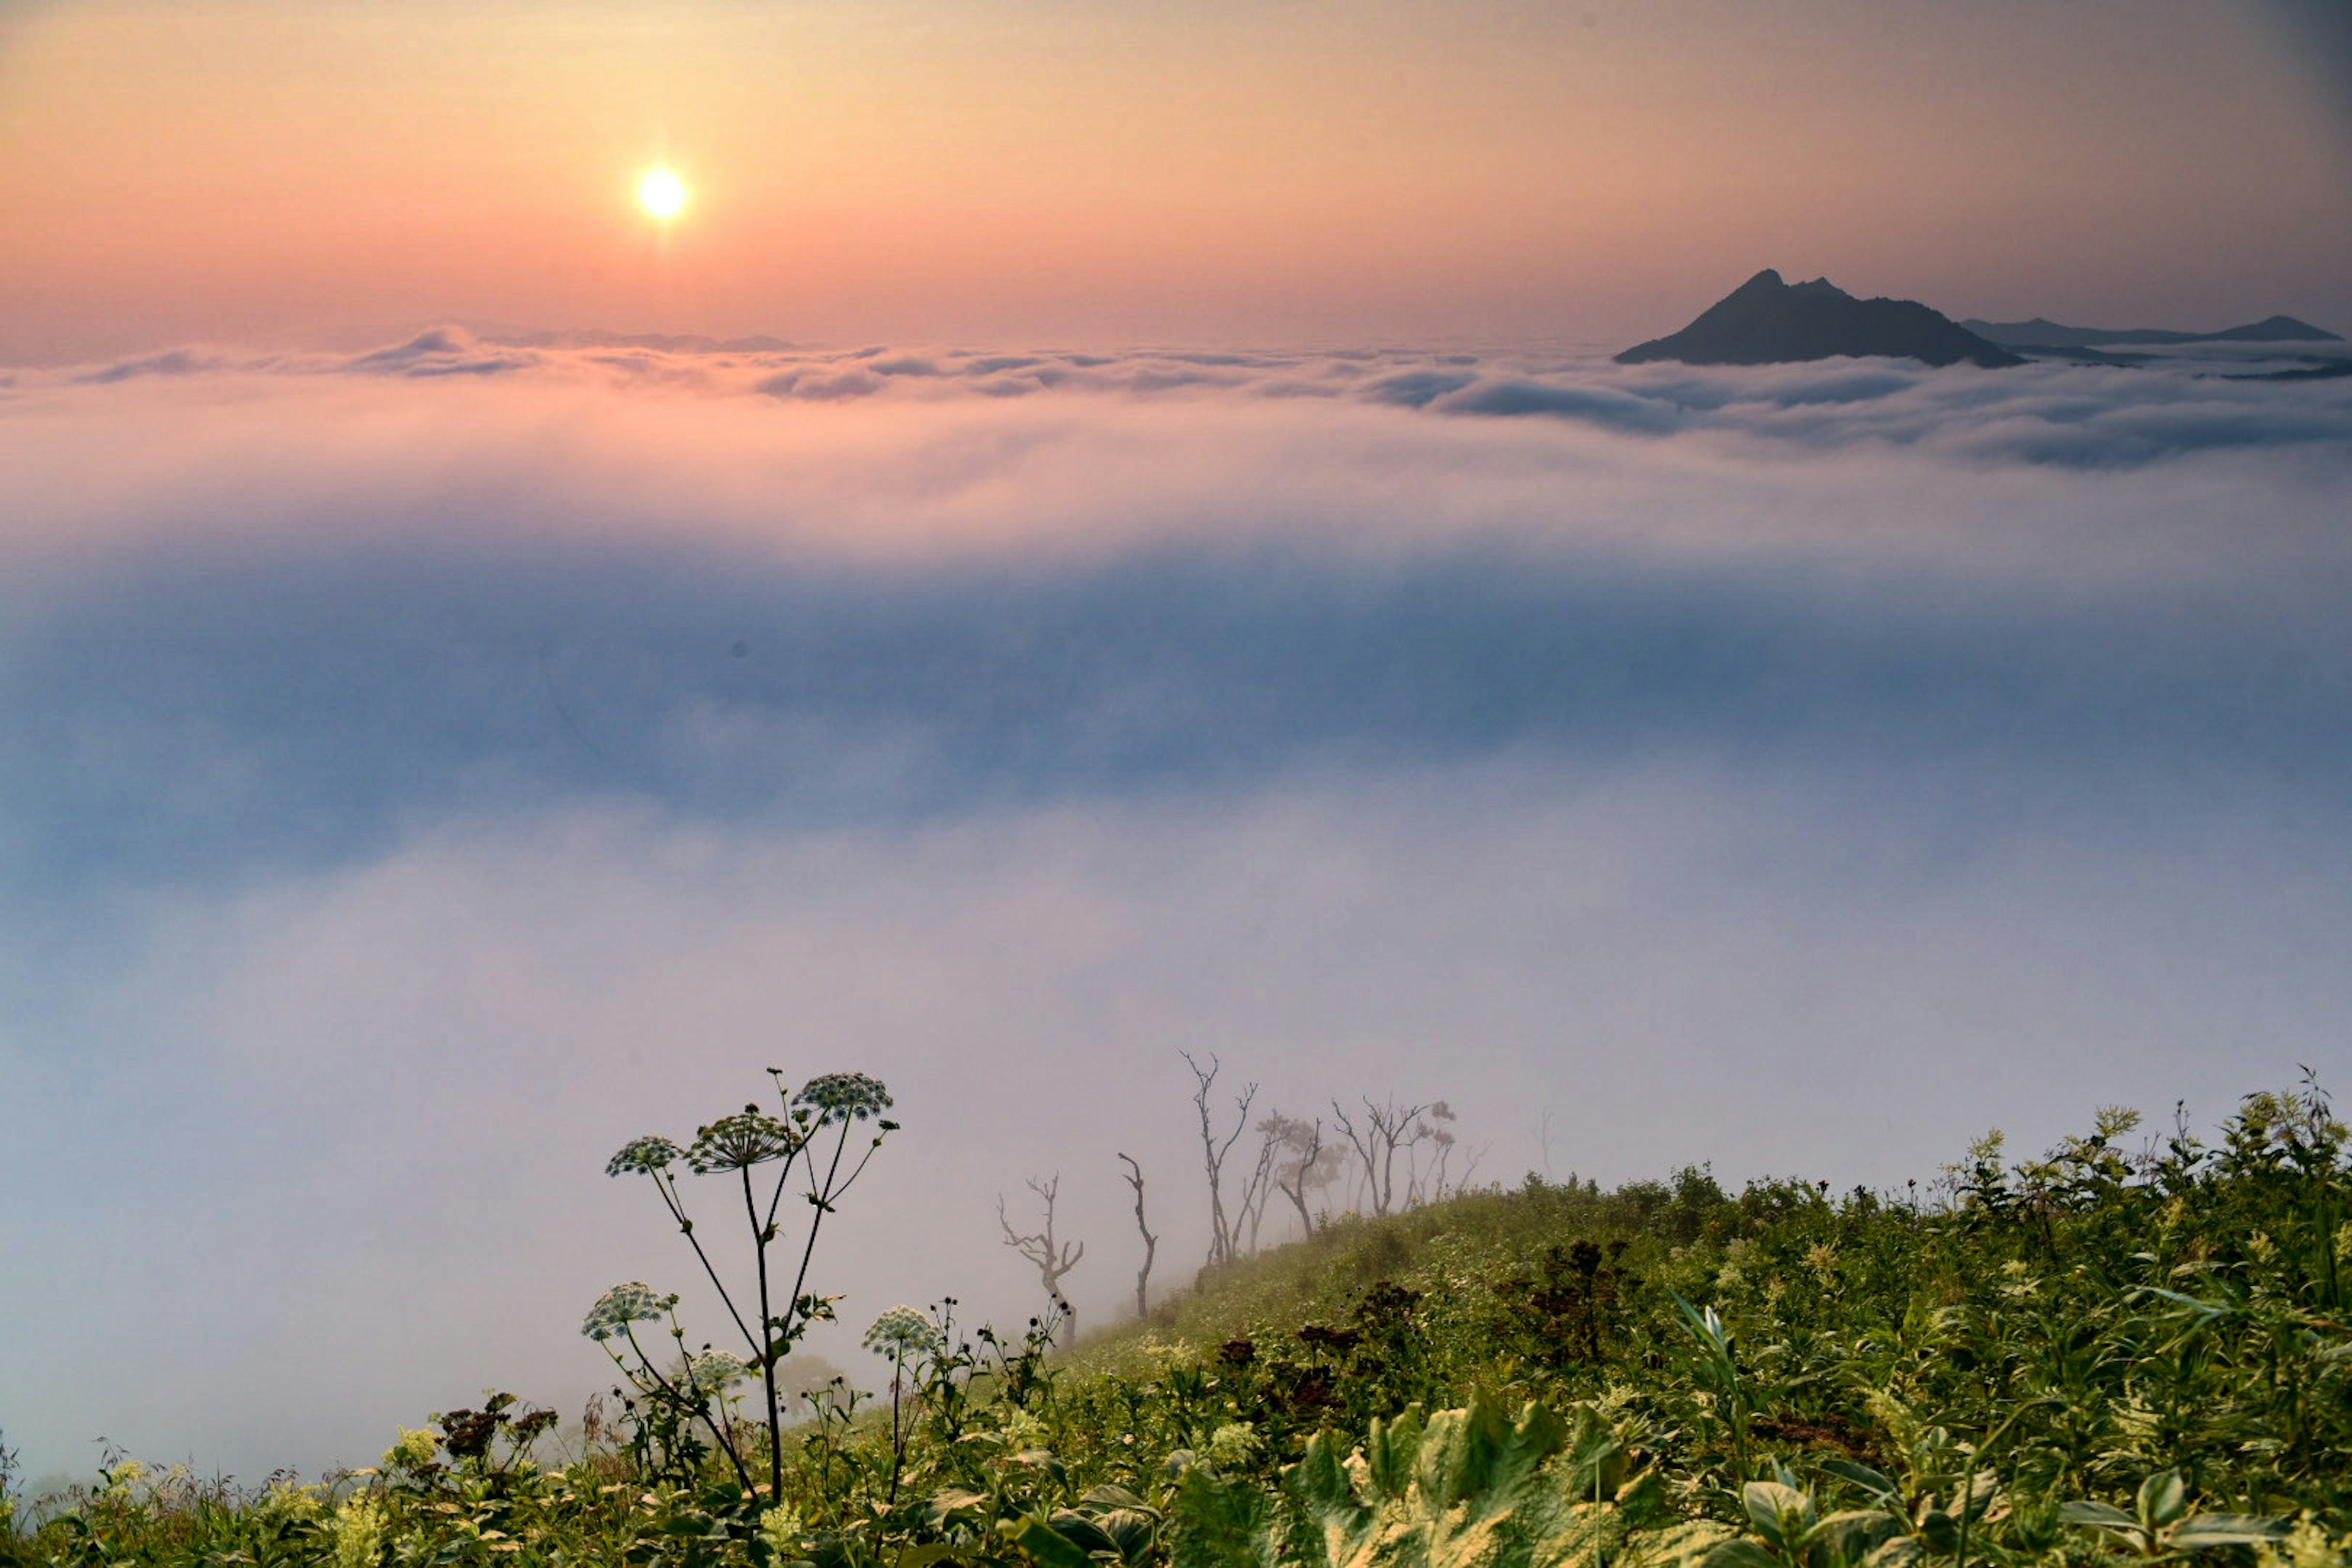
(1768, 278)
(1821, 286)
(2277, 329)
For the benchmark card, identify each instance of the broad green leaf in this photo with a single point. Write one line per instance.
(1597, 1463)
(924, 1556)
(1853, 1534)
(2163, 1498)
(1640, 1500)
(2206, 1530)
(1781, 1513)
(1110, 1496)
(1478, 1494)
(1861, 1474)
(951, 1504)
(1216, 1523)
(1390, 1450)
(1739, 1552)
(1900, 1551)
(1082, 1532)
(1683, 1545)
(1132, 1530)
(1043, 1460)
(2104, 1515)
(1048, 1547)
(1478, 1449)
(1939, 1529)
(1320, 1483)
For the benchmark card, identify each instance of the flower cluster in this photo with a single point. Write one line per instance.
(708, 1371)
(784, 1530)
(633, 1302)
(736, 1143)
(413, 1453)
(644, 1155)
(843, 1097)
(1233, 1446)
(358, 1531)
(900, 1333)
(283, 1500)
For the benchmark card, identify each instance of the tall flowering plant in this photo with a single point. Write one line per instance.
(807, 1143)
(902, 1334)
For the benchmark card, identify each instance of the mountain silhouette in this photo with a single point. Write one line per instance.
(2041, 333)
(1768, 322)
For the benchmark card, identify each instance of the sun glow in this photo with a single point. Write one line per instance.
(661, 193)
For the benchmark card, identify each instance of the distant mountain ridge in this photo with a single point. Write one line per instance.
(1767, 320)
(2043, 333)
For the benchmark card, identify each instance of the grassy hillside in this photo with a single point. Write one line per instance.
(2127, 1348)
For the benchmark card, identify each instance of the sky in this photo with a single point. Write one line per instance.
(1277, 172)
(1165, 568)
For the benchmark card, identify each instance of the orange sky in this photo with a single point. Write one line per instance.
(1264, 170)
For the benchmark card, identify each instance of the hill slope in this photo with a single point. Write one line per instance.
(2112, 1353)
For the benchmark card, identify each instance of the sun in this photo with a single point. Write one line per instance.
(661, 193)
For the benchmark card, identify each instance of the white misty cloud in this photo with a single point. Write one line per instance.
(424, 768)
(380, 1096)
(2051, 413)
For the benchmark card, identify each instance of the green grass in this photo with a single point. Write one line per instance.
(2116, 1350)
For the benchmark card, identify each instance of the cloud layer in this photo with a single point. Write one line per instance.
(2052, 412)
(425, 768)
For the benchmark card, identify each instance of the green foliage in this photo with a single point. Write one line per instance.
(2107, 1354)
(1467, 1486)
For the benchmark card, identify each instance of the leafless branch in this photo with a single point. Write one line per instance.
(1150, 1242)
(1387, 1128)
(1224, 1234)
(1053, 1259)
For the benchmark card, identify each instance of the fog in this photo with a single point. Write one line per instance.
(427, 768)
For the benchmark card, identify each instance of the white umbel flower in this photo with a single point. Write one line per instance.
(634, 1302)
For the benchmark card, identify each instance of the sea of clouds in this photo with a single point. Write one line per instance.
(422, 770)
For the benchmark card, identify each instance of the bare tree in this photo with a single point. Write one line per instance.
(1387, 1128)
(1053, 1260)
(1435, 1127)
(1150, 1242)
(1222, 1232)
(1250, 1212)
(1301, 1162)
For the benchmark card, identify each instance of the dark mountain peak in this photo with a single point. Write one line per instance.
(1765, 320)
(2279, 330)
(1769, 282)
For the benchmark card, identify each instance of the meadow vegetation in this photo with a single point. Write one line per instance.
(2131, 1347)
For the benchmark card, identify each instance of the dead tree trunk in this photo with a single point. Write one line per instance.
(1053, 1259)
(1222, 1232)
(1388, 1127)
(1150, 1242)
